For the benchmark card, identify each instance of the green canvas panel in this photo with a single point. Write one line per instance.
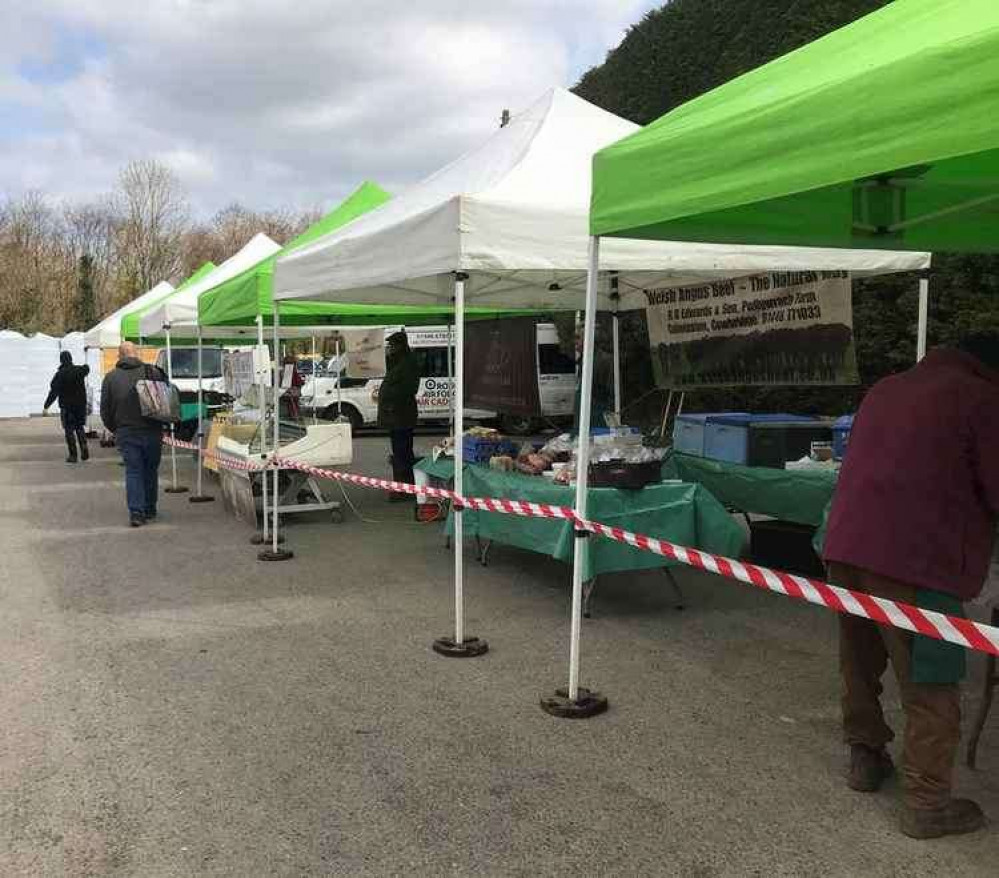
(882, 134)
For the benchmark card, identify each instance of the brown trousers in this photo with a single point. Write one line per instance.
(932, 710)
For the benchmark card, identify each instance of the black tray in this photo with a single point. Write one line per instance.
(620, 474)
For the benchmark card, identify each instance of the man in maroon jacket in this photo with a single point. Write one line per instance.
(914, 520)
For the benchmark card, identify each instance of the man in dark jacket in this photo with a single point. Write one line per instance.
(69, 387)
(138, 438)
(397, 407)
(914, 520)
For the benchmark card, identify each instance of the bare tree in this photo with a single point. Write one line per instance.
(92, 233)
(33, 267)
(154, 214)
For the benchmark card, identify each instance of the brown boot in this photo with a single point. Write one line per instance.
(957, 817)
(868, 768)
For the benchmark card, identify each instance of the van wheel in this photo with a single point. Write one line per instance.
(332, 412)
(517, 425)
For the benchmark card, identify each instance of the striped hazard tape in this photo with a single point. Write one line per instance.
(953, 629)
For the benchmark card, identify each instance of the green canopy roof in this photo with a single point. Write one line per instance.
(239, 300)
(130, 322)
(883, 134)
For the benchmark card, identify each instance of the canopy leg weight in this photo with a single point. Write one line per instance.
(470, 647)
(179, 489)
(201, 498)
(585, 705)
(279, 555)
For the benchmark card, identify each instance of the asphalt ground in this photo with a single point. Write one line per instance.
(171, 706)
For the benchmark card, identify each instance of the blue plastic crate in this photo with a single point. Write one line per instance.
(689, 431)
(841, 436)
(475, 449)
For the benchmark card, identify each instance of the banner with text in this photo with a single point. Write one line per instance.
(778, 327)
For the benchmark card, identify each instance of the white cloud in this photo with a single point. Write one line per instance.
(272, 104)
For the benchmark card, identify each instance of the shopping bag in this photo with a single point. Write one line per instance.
(158, 400)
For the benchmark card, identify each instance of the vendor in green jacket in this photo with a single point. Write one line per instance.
(397, 410)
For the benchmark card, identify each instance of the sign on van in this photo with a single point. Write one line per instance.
(365, 353)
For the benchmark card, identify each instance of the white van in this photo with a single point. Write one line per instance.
(556, 384)
(185, 368)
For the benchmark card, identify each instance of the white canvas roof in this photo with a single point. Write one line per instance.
(179, 312)
(513, 215)
(107, 333)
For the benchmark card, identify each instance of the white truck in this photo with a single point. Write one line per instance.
(358, 398)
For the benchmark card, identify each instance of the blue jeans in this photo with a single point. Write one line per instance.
(141, 450)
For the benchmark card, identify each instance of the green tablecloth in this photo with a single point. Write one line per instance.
(799, 496)
(682, 513)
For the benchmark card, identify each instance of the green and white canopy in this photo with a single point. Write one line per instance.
(238, 302)
(883, 134)
(129, 324)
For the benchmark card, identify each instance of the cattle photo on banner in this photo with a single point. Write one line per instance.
(778, 327)
(501, 366)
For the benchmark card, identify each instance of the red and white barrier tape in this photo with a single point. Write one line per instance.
(964, 632)
(223, 460)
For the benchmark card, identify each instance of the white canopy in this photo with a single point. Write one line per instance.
(513, 215)
(107, 333)
(179, 313)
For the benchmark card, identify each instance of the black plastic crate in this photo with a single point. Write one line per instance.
(772, 445)
(785, 546)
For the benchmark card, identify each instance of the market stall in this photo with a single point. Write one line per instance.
(506, 226)
(244, 303)
(913, 165)
(682, 512)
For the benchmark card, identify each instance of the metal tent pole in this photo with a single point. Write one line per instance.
(574, 700)
(174, 487)
(201, 496)
(274, 553)
(339, 376)
(265, 527)
(924, 315)
(314, 421)
(616, 327)
(460, 645)
(450, 376)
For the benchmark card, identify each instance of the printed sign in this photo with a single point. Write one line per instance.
(501, 364)
(365, 353)
(239, 371)
(779, 327)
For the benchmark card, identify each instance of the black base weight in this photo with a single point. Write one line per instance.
(180, 489)
(470, 647)
(201, 498)
(587, 704)
(279, 555)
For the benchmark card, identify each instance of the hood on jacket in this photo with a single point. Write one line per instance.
(65, 358)
(130, 363)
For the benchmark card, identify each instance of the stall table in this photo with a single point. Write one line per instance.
(683, 513)
(798, 496)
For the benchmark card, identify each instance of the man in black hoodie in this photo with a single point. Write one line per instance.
(139, 439)
(69, 387)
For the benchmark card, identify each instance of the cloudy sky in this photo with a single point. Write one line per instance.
(274, 103)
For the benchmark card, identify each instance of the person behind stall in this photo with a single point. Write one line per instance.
(292, 396)
(397, 411)
(913, 520)
(139, 439)
(69, 388)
